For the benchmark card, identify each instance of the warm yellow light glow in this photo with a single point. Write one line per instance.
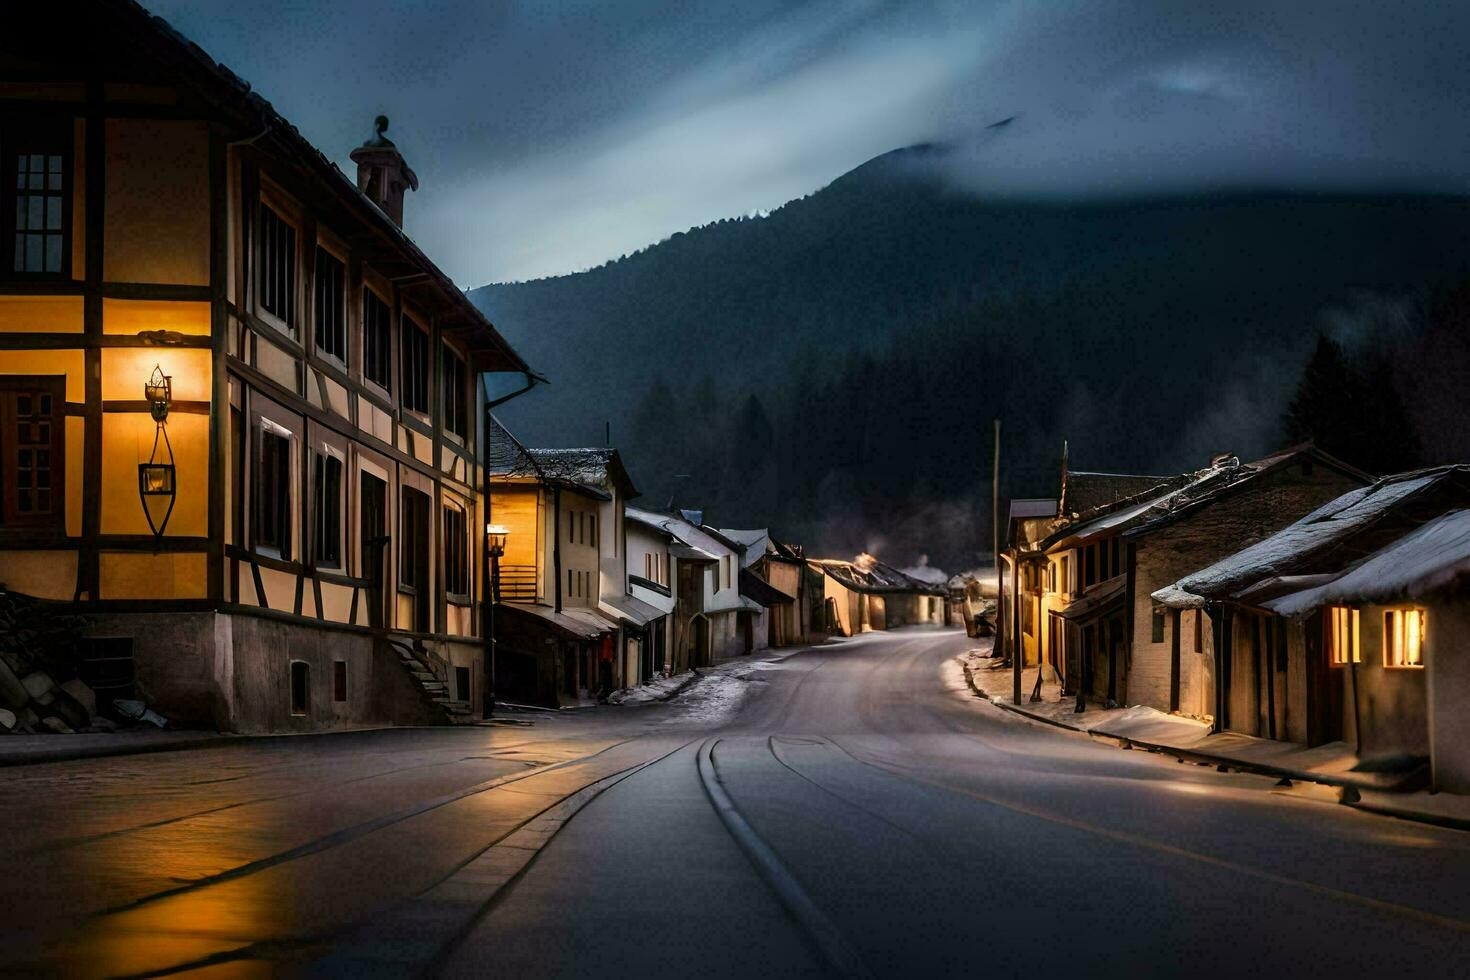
(135, 316)
(1342, 637)
(1403, 638)
(496, 530)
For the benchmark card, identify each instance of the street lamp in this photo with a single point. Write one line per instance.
(156, 486)
(495, 535)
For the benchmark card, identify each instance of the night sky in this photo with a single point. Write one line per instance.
(550, 136)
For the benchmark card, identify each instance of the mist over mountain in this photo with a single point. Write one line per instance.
(831, 370)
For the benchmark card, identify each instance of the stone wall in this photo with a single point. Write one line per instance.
(1233, 522)
(231, 672)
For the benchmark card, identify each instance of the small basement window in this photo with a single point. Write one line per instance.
(300, 687)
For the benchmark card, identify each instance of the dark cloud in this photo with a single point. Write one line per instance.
(552, 135)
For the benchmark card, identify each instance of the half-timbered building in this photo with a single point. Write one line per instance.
(237, 403)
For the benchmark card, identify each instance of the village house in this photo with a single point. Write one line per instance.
(1112, 641)
(238, 403)
(866, 594)
(781, 566)
(712, 620)
(1036, 596)
(1322, 632)
(765, 563)
(565, 615)
(651, 580)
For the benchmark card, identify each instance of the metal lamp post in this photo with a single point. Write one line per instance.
(495, 535)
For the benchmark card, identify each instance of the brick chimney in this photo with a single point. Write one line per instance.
(382, 173)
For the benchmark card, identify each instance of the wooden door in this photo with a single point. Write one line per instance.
(373, 540)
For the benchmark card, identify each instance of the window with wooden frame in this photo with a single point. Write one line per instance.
(414, 362)
(412, 547)
(377, 340)
(33, 452)
(1341, 624)
(35, 210)
(273, 490)
(330, 306)
(1403, 638)
(456, 553)
(326, 509)
(1199, 631)
(456, 394)
(276, 267)
(1156, 627)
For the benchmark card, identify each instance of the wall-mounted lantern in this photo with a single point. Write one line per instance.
(156, 486)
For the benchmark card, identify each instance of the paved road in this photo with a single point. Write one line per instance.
(849, 814)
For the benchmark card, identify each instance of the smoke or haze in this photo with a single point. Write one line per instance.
(553, 136)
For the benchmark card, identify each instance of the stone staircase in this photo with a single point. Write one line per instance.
(420, 664)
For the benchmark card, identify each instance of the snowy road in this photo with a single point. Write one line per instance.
(839, 811)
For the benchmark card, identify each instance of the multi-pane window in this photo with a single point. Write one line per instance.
(38, 212)
(415, 365)
(456, 403)
(32, 434)
(326, 508)
(330, 306)
(377, 339)
(273, 492)
(277, 266)
(1403, 638)
(456, 553)
(1342, 636)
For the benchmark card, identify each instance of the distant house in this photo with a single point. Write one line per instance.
(1106, 636)
(782, 566)
(651, 569)
(713, 620)
(1343, 626)
(771, 576)
(565, 612)
(867, 594)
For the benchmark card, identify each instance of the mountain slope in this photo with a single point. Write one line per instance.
(881, 322)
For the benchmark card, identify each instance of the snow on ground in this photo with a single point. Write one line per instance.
(709, 697)
(658, 689)
(1137, 721)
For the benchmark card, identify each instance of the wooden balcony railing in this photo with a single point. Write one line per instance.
(518, 583)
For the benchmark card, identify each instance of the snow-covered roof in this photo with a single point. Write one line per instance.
(1323, 533)
(598, 469)
(753, 540)
(1083, 491)
(1153, 508)
(1434, 557)
(925, 572)
(696, 537)
(873, 576)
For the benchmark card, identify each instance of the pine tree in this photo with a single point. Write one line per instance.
(1353, 411)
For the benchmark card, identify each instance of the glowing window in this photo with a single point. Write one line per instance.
(1342, 637)
(1403, 638)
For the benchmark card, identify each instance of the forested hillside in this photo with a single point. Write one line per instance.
(833, 368)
